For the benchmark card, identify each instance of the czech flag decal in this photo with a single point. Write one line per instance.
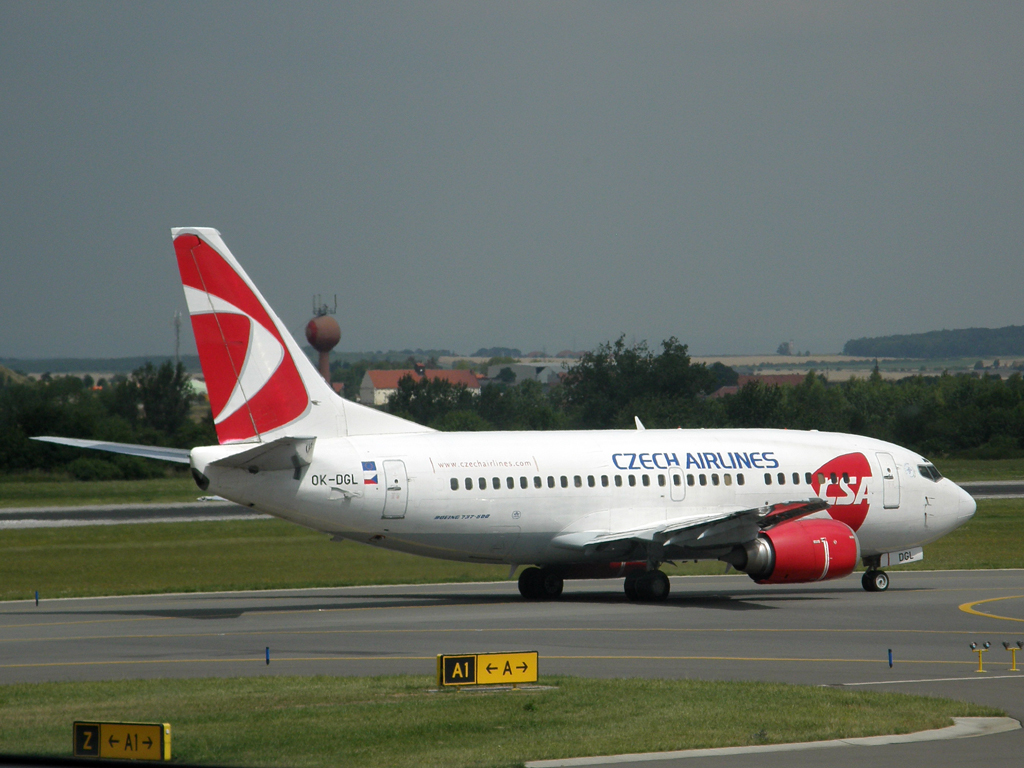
(369, 473)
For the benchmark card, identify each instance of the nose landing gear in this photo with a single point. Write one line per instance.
(874, 580)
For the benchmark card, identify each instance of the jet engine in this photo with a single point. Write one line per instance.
(798, 551)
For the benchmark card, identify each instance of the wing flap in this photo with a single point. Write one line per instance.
(713, 529)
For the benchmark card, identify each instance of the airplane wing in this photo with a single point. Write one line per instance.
(715, 529)
(178, 455)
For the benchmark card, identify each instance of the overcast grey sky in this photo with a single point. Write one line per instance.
(518, 174)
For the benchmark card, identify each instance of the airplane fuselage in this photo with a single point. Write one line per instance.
(516, 497)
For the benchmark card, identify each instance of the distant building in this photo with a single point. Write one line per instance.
(768, 380)
(378, 386)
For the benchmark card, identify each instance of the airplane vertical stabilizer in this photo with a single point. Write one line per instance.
(260, 384)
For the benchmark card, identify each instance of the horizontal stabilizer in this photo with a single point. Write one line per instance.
(178, 455)
(283, 453)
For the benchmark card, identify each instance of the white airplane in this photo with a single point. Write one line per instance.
(783, 506)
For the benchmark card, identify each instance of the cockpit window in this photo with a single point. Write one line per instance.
(929, 471)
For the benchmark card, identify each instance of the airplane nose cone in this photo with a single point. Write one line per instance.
(967, 506)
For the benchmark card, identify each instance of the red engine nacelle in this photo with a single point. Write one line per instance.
(802, 550)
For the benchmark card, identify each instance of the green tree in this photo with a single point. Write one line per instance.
(599, 390)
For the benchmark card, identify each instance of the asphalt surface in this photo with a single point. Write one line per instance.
(721, 627)
(995, 489)
(120, 514)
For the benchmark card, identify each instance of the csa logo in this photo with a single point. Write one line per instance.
(843, 483)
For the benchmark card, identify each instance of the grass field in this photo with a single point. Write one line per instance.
(65, 493)
(966, 470)
(397, 721)
(265, 554)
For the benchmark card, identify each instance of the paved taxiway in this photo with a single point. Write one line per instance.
(711, 627)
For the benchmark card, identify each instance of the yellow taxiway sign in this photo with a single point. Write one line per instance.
(487, 668)
(124, 741)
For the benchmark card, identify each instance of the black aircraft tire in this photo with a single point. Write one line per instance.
(630, 587)
(875, 581)
(530, 583)
(551, 584)
(652, 587)
(657, 586)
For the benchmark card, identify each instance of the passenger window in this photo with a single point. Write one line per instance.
(661, 481)
(455, 483)
(591, 481)
(483, 483)
(833, 479)
(646, 480)
(604, 481)
(522, 482)
(469, 483)
(496, 483)
(564, 481)
(551, 481)
(537, 483)
(821, 479)
(703, 479)
(510, 482)
(678, 480)
(714, 478)
(782, 478)
(808, 478)
(739, 479)
(846, 478)
(577, 481)
(689, 480)
(767, 478)
(796, 478)
(728, 479)
(632, 480)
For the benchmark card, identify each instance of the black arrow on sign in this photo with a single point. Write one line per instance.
(112, 741)
(491, 667)
(148, 742)
(523, 667)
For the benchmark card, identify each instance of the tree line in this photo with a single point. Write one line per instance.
(152, 406)
(962, 342)
(967, 415)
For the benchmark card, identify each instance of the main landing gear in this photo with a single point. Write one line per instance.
(875, 580)
(540, 584)
(646, 586)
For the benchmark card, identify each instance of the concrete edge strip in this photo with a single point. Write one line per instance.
(962, 728)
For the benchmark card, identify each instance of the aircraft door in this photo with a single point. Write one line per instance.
(676, 484)
(396, 496)
(890, 481)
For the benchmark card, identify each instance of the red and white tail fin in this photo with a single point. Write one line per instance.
(261, 386)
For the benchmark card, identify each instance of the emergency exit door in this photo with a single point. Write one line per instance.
(396, 495)
(890, 481)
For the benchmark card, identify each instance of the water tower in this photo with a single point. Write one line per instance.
(323, 333)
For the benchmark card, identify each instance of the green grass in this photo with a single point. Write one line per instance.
(966, 470)
(993, 538)
(268, 554)
(397, 721)
(200, 557)
(67, 493)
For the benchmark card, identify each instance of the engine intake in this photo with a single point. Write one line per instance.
(798, 551)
